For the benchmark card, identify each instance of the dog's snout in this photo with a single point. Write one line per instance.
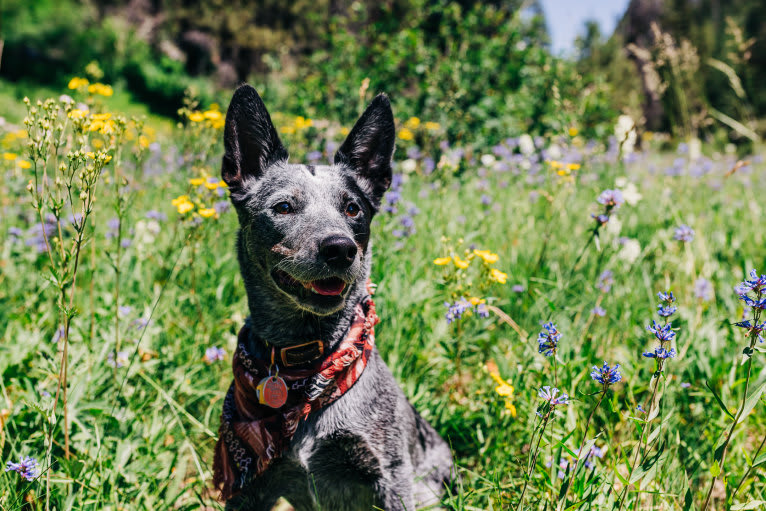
(338, 251)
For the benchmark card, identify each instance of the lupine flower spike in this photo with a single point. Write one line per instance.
(548, 340)
(28, 468)
(606, 375)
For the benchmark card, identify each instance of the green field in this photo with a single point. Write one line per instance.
(155, 288)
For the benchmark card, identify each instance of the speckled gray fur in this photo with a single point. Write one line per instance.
(369, 449)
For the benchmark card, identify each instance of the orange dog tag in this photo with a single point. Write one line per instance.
(272, 391)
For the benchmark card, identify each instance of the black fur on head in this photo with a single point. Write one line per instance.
(250, 140)
(369, 147)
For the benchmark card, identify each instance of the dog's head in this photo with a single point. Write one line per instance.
(305, 229)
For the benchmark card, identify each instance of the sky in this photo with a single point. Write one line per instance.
(566, 19)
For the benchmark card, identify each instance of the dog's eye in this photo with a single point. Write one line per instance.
(283, 208)
(352, 209)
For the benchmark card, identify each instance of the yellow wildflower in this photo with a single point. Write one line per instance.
(441, 261)
(100, 89)
(212, 115)
(573, 131)
(413, 122)
(573, 166)
(91, 155)
(222, 184)
(289, 130)
(511, 409)
(555, 164)
(77, 114)
(143, 142)
(196, 117)
(406, 134)
(503, 388)
(10, 156)
(303, 123)
(180, 200)
(433, 126)
(487, 256)
(211, 186)
(473, 300)
(461, 263)
(76, 83)
(207, 212)
(196, 181)
(20, 133)
(498, 276)
(185, 207)
(24, 164)
(344, 131)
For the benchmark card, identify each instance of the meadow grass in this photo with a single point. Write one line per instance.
(143, 399)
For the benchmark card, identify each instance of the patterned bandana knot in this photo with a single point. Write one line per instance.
(252, 435)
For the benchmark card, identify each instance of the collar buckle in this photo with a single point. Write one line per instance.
(301, 353)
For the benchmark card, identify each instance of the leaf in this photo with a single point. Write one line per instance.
(753, 504)
(648, 469)
(759, 460)
(751, 401)
(715, 469)
(586, 448)
(719, 400)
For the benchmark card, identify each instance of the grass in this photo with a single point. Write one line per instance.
(142, 435)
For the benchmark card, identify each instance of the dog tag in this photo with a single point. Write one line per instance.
(272, 391)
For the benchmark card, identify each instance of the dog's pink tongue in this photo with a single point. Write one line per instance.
(329, 287)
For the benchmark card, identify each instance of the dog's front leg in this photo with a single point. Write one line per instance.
(394, 491)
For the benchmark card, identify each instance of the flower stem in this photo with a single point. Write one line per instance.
(730, 434)
(563, 500)
(750, 469)
(531, 465)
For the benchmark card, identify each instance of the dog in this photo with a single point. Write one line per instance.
(305, 253)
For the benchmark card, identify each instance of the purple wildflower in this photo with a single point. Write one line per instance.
(214, 354)
(548, 339)
(753, 328)
(119, 361)
(666, 310)
(683, 233)
(606, 375)
(58, 335)
(221, 206)
(611, 198)
(28, 468)
(605, 281)
(703, 289)
(153, 214)
(661, 353)
(663, 333)
(598, 311)
(552, 396)
(456, 310)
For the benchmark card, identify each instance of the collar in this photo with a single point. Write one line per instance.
(303, 354)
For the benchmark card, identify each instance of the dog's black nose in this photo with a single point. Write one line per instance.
(338, 251)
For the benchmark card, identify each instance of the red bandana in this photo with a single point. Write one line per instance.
(252, 435)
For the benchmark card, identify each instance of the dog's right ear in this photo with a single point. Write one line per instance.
(250, 141)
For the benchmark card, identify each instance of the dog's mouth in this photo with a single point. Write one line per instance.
(329, 289)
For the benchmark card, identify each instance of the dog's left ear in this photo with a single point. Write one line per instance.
(369, 147)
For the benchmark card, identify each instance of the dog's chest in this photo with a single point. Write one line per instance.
(340, 466)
